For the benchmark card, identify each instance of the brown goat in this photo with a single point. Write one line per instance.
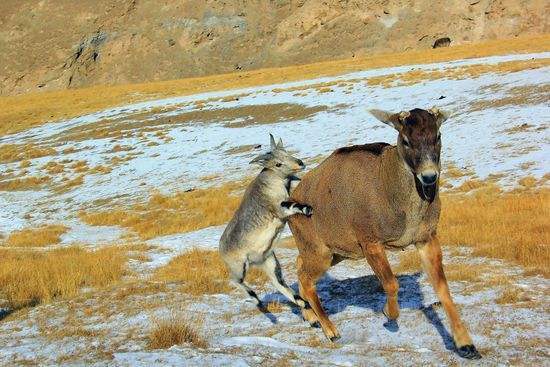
(368, 198)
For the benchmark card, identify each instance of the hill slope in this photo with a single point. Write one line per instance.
(58, 44)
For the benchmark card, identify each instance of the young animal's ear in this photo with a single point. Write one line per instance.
(441, 116)
(280, 144)
(395, 120)
(262, 159)
(272, 143)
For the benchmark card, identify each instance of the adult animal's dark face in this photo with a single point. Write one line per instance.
(419, 144)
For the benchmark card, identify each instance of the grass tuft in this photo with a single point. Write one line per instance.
(175, 331)
(512, 295)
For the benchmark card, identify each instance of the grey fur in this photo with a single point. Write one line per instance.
(248, 238)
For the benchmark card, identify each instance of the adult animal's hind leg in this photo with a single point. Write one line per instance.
(378, 261)
(430, 254)
(310, 268)
(237, 274)
(272, 268)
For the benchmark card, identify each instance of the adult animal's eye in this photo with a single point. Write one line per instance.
(438, 137)
(406, 143)
(279, 164)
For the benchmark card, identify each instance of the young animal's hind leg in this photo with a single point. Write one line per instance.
(272, 269)
(237, 273)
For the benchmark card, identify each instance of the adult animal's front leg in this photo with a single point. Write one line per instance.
(430, 254)
(377, 259)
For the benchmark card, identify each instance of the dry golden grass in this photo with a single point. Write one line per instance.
(464, 272)
(25, 183)
(80, 166)
(471, 71)
(178, 213)
(274, 307)
(36, 237)
(202, 272)
(175, 331)
(21, 112)
(53, 168)
(28, 278)
(409, 262)
(19, 152)
(469, 185)
(516, 96)
(514, 225)
(452, 171)
(69, 184)
(100, 170)
(512, 294)
(528, 182)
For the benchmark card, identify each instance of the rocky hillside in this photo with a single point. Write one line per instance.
(57, 44)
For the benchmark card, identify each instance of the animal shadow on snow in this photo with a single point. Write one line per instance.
(366, 292)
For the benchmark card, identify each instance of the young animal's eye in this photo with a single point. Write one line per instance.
(438, 137)
(406, 143)
(279, 164)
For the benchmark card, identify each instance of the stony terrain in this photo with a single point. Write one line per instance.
(58, 44)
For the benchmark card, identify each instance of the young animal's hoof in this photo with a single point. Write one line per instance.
(315, 324)
(301, 302)
(307, 210)
(469, 352)
(334, 339)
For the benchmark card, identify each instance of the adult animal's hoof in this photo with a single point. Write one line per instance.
(334, 339)
(468, 352)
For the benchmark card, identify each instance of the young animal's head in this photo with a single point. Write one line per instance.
(279, 160)
(419, 141)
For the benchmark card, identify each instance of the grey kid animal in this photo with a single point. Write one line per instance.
(248, 238)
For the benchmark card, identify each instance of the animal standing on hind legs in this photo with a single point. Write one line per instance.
(248, 238)
(373, 197)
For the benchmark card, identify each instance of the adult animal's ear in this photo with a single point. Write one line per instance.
(272, 143)
(262, 159)
(440, 116)
(280, 144)
(395, 120)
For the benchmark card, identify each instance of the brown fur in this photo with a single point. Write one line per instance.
(367, 199)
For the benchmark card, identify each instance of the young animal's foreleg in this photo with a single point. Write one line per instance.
(272, 269)
(238, 273)
(291, 207)
(430, 254)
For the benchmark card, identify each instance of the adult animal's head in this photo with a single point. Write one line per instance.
(419, 140)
